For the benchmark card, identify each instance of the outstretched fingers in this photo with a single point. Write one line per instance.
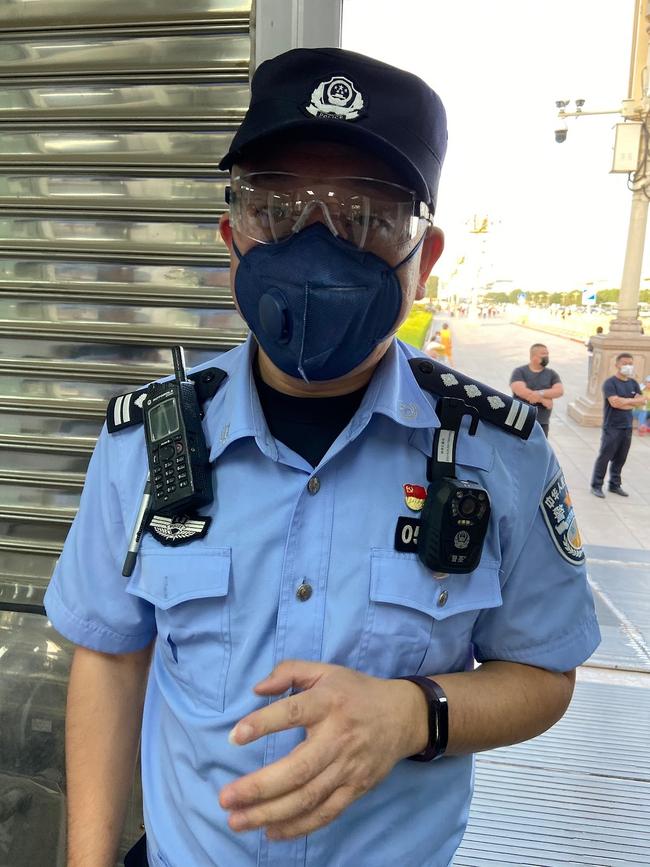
(300, 767)
(330, 809)
(287, 808)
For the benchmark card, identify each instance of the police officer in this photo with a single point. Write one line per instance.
(277, 725)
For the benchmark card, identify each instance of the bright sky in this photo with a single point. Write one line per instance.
(499, 66)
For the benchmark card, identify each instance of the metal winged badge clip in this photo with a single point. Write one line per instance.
(178, 530)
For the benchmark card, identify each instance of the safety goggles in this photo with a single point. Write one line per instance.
(369, 213)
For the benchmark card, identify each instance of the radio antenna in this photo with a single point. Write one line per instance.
(178, 354)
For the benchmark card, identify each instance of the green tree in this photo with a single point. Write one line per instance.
(495, 298)
(432, 287)
(607, 295)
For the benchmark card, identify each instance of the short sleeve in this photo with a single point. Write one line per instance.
(86, 599)
(555, 378)
(609, 388)
(547, 618)
(517, 375)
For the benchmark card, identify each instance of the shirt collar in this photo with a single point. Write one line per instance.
(235, 412)
(393, 391)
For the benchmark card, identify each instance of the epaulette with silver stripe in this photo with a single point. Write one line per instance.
(503, 410)
(125, 410)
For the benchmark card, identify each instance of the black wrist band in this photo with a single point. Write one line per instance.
(438, 718)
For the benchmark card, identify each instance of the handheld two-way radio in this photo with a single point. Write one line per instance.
(179, 463)
(180, 477)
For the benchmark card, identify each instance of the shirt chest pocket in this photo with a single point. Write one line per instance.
(417, 623)
(190, 594)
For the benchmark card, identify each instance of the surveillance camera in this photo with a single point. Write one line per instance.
(562, 103)
(560, 132)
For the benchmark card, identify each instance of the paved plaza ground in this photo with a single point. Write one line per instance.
(580, 793)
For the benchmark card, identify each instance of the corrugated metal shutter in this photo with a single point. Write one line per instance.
(113, 117)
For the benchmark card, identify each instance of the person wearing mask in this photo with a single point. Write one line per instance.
(537, 384)
(309, 692)
(622, 393)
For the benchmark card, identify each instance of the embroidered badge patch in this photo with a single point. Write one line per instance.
(414, 497)
(560, 519)
(337, 97)
(178, 530)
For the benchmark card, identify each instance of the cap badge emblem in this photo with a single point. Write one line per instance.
(337, 98)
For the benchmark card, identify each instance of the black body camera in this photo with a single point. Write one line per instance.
(456, 513)
(453, 525)
(179, 465)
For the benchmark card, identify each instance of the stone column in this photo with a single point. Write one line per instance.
(628, 302)
(625, 330)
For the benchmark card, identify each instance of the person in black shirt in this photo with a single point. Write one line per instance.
(622, 393)
(538, 384)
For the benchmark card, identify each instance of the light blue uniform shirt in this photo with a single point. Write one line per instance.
(223, 609)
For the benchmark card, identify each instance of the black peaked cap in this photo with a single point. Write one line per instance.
(339, 95)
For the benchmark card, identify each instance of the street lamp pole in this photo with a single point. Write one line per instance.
(638, 99)
(625, 329)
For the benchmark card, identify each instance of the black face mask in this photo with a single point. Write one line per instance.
(317, 305)
(544, 360)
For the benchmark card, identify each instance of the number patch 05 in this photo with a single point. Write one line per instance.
(406, 535)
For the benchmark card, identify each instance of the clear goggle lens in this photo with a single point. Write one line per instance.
(371, 214)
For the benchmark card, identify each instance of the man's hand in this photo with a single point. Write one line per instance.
(521, 390)
(357, 728)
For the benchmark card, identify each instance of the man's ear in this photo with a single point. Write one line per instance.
(432, 247)
(225, 230)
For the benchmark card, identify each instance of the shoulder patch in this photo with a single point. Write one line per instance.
(560, 520)
(504, 411)
(125, 410)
